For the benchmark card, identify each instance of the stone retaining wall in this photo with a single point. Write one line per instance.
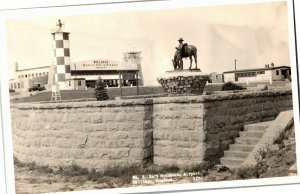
(190, 130)
(89, 134)
(167, 130)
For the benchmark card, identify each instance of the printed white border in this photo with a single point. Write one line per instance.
(6, 136)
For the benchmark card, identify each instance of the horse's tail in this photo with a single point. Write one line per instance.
(195, 54)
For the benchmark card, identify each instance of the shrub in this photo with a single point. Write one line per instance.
(247, 173)
(100, 90)
(228, 86)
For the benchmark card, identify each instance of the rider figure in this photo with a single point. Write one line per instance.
(180, 46)
(180, 49)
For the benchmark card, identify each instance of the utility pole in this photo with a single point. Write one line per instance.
(235, 64)
(235, 75)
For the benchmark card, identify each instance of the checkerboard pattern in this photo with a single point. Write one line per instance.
(62, 70)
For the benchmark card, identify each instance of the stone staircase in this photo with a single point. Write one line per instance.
(244, 144)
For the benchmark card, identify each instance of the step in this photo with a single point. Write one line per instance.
(231, 162)
(246, 141)
(236, 154)
(240, 147)
(257, 126)
(251, 134)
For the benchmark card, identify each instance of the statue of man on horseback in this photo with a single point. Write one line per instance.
(184, 51)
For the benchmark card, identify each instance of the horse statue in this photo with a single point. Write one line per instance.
(187, 51)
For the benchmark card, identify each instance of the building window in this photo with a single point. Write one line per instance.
(44, 73)
(22, 76)
(15, 86)
(261, 72)
(18, 85)
(69, 83)
(79, 83)
(277, 72)
(33, 75)
(40, 74)
(47, 73)
(36, 74)
(26, 75)
(19, 76)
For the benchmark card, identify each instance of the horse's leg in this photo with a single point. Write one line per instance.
(195, 56)
(191, 61)
(181, 64)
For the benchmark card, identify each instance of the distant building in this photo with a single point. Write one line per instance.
(269, 73)
(26, 78)
(84, 73)
(216, 77)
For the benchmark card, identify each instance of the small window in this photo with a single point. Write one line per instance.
(26, 75)
(79, 83)
(277, 72)
(36, 74)
(19, 76)
(40, 74)
(69, 83)
(44, 73)
(29, 75)
(19, 85)
(47, 73)
(22, 76)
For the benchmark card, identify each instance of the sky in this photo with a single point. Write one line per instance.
(254, 34)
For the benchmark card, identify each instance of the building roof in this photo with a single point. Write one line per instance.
(257, 69)
(33, 68)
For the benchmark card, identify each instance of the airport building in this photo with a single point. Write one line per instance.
(84, 74)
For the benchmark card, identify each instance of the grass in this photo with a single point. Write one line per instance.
(122, 175)
(80, 94)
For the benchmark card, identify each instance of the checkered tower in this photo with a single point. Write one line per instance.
(61, 46)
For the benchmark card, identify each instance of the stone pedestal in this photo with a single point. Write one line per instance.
(183, 82)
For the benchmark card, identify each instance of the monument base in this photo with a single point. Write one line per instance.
(183, 82)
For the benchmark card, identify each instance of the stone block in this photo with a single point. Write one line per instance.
(96, 143)
(109, 116)
(125, 126)
(135, 134)
(112, 143)
(194, 113)
(126, 143)
(188, 124)
(111, 126)
(163, 124)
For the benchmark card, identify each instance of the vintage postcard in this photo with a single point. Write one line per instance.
(149, 96)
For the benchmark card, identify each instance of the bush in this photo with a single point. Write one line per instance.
(228, 86)
(100, 90)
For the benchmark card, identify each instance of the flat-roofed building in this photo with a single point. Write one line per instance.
(269, 73)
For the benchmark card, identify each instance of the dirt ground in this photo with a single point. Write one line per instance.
(31, 182)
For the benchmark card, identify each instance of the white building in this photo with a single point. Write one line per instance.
(268, 74)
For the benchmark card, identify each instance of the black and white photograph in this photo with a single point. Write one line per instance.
(113, 97)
